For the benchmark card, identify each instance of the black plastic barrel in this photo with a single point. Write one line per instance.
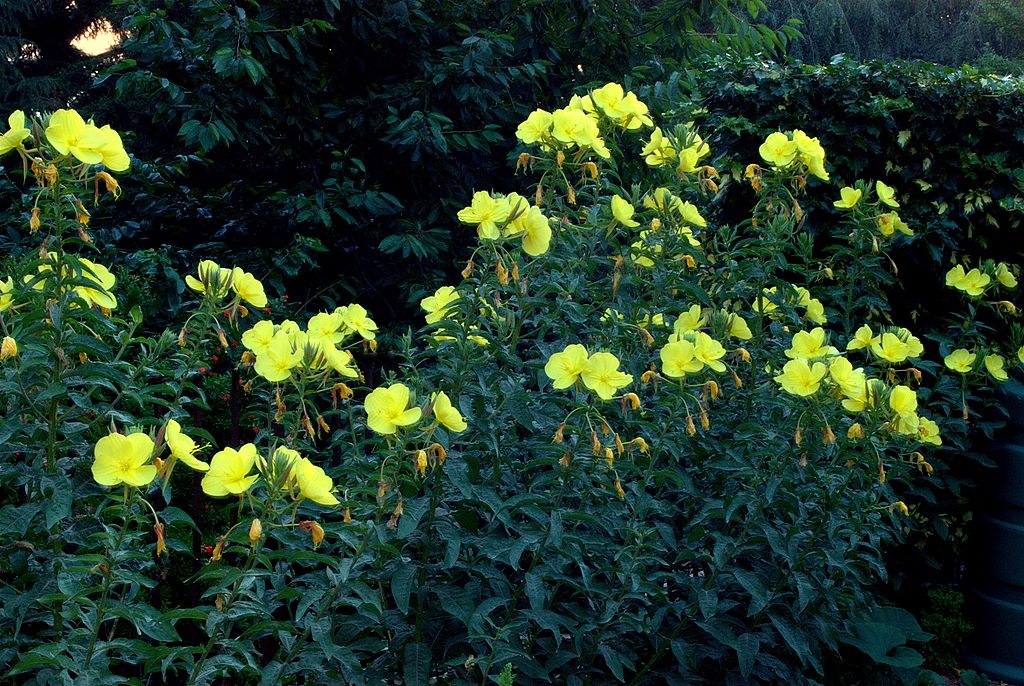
(995, 598)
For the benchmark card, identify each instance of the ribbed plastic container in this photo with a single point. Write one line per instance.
(995, 598)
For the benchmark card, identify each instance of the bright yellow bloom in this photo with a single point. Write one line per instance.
(276, 361)
(914, 346)
(688, 211)
(659, 151)
(536, 231)
(101, 294)
(573, 126)
(690, 156)
(689, 321)
(623, 212)
(848, 197)
(388, 408)
(439, 305)
(6, 293)
(973, 282)
(259, 337)
(248, 287)
(961, 360)
(764, 301)
(323, 327)
(313, 482)
(17, 132)
(863, 338)
(815, 312)
(121, 459)
(709, 351)
(446, 414)
(859, 396)
(536, 128)
(213, 279)
(355, 319)
(800, 378)
(736, 326)
(622, 108)
(114, 156)
(995, 366)
(1005, 276)
(903, 400)
(486, 212)
(851, 382)
(565, 368)
(890, 222)
(183, 447)
(230, 472)
(341, 361)
(809, 345)
(890, 348)
(778, 150)
(886, 194)
(68, 133)
(928, 431)
(811, 154)
(602, 375)
(1020, 354)
(678, 359)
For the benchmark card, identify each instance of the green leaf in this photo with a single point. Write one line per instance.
(401, 586)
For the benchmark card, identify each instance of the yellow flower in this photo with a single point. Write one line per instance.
(622, 108)
(689, 321)
(736, 326)
(994, 364)
(778, 150)
(536, 231)
(602, 375)
(809, 345)
(388, 408)
(8, 348)
(678, 359)
(355, 319)
(123, 459)
(100, 295)
(183, 447)
(914, 346)
(230, 472)
(1005, 276)
(341, 361)
(1020, 354)
(565, 367)
(688, 211)
(973, 282)
(886, 194)
(890, 222)
(928, 431)
(659, 151)
(6, 293)
(439, 305)
(536, 128)
(890, 348)
(859, 396)
(259, 337)
(850, 381)
(323, 327)
(313, 482)
(811, 154)
(903, 400)
(764, 302)
(69, 134)
(709, 351)
(573, 126)
(212, 279)
(815, 312)
(112, 150)
(961, 360)
(276, 361)
(863, 338)
(16, 133)
(486, 212)
(800, 378)
(248, 287)
(446, 414)
(848, 197)
(623, 212)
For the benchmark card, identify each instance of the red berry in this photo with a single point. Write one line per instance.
(266, 310)
(202, 370)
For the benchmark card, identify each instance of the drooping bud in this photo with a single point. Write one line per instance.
(218, 550)
(690, 262)
(655, 224)
(690, 427)
(565, 459)
(396, 514)
(633, 400)
(34, 222)
(559, 434)
(314, 530)
(618, 490)
(798, 437)
(609, 457)
(595, 444)
(589, 169)
(161, 544)
(347, 517)
(639, 441)
(855, 431)
(8, 349)
(560, 158)
(523, 161)
(828, 437)
(736, 379)
(421, 462)
(901, 507)
(618, 445)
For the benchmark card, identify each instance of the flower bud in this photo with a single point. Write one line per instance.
(828, 437)
(421, 462)
(560, 158)
(468, 270)
(255, 532)
(855, 431)
(705, 420)
(589, 169)
(798, 437)
(347, 517)
(564, 460)
(690, 427)
(161, 544)
(638, 441)
(618, 445)
(609, 457)
(8, 349)
(559, 434)
(618, 490)
(655, 224)
(218, 550)
(595, 444)
(633, 399)
(901, 507)
(34, 222)
(523, 161)
(314, 530)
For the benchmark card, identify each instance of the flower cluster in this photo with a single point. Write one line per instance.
(976, 281)
(783, 151)
(97, 288)
(508, 216)
(216, 282)
(599, 372)
(684, 150)
(283, 349)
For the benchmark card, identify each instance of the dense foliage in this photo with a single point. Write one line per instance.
(630, 445)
